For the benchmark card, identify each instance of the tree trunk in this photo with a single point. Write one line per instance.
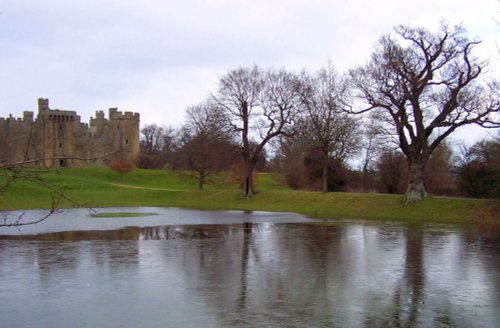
(248, 187)
(365, 176)
(201, 180)
(416, 187)
(247, 160)
(324, 178)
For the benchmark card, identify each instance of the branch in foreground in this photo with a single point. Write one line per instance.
(23, 171)
(18, 220)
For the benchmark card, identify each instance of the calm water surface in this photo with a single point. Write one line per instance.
(187, 268)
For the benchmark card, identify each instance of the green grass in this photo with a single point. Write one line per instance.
(101, 187)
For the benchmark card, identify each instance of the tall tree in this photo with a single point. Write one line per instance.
(260, 106)
(331, 131)
(427, 85)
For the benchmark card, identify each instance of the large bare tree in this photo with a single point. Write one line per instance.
(330, 130)
(261, 105)
(427, 85)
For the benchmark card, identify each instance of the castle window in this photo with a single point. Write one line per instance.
(60, 145)
(126, 141)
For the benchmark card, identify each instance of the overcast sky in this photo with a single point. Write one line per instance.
(157, 57)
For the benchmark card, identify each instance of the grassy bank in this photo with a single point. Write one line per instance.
(101, 187)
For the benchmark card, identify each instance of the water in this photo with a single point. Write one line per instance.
(246, 270)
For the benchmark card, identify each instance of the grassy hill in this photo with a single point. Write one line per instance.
(102, 187)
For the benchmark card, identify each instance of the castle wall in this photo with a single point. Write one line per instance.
(16, 138)
(60, 139)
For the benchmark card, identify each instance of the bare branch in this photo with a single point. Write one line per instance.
(429, 85)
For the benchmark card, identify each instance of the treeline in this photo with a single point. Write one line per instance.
(472, 171)
(379, 127)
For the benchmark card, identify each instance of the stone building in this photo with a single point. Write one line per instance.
(57, 138)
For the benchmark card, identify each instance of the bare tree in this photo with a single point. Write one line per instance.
(151, 140)
(290, 160)
(427, 85)
(330, 130)
(260, 106)
(158, 145)
(479, 169)
(373, 144)
(392, 172)
(439, 177)
(206, 145)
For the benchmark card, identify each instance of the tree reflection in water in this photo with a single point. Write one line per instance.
(262, 274)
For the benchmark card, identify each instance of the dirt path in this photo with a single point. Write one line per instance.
(143, 188)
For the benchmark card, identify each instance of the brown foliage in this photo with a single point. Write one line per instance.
(122, 166)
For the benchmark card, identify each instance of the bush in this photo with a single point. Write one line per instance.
(122, 166)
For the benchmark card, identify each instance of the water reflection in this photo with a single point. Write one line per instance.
(252, 275)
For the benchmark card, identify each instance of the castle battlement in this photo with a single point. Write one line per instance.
(27, 118)
(58, 135)
(44, 112)
(114, 114)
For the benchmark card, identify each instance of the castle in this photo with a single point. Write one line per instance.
(57, 138)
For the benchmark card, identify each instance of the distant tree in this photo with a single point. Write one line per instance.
(151, 140)
(206, 145)
(158, 146)
(479, 169)
(290, 160)
(373, 144)
(337, 172)
(426, 85)
(122, 166)
(333, 133)
(260, 106)
(392, 172)
(439, 175)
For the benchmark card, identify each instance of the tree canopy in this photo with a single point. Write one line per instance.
(427, 85)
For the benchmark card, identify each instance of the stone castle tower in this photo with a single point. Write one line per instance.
(58, 139)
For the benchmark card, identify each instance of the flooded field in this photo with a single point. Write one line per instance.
(185, 268)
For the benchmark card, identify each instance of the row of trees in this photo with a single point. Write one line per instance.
(416, 90)
(377, 167)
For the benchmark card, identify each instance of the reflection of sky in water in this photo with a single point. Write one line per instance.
(260, 274)
(458, 265)
(80, 219)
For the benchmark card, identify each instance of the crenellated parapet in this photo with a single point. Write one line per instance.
(45, 113)
(58, 136)
(114, 114)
